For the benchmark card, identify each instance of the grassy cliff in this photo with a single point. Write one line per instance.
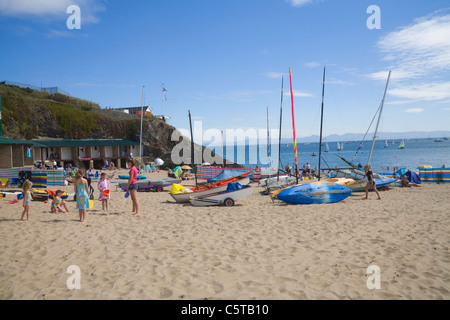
(30, 114)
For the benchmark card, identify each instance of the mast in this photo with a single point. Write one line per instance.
(192, 149)
(223, 152)
(321, 120)
(279, 133)
(268, 141)
(379, 118)
(162, 99)
(293, 126)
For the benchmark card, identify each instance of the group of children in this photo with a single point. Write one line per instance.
(81, 189)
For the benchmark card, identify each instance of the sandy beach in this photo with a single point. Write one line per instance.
(255, 250)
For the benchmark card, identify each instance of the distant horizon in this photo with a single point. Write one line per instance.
(334, 138)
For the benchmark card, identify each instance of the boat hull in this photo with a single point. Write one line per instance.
(151, 184)
(360, 185)
(220, 198)
(277, 182)
(315, 193)
(185, 197)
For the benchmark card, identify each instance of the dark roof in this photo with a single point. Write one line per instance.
(44, 143)
(82, 143)
(4, 140)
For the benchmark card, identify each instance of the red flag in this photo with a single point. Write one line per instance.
(293, 118)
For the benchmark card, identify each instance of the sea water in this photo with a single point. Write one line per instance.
(384, 159)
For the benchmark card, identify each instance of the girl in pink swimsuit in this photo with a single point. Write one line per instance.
(132, 185)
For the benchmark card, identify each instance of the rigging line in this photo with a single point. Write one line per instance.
(337, 109)
(364, 138)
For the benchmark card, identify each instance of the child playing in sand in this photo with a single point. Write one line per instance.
(58, 202)
(103, 186)
(26, 198)
(81, 193)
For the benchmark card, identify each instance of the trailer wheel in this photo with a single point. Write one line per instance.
(159, 189)
(228, 202)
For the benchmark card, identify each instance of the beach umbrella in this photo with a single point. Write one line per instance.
(158, 162)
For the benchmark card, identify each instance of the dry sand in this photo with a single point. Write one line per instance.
(254, 250)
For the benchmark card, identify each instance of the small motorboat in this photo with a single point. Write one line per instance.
(234, 192)
(184, 197)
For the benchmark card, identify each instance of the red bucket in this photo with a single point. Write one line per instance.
(106, 193)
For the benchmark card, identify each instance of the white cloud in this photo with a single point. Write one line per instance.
(400, 102)
(273, 75)
(421, 48)
(51, 8)
(423, 92)
(236, 96)
(299, 94)
(418, 110)
(299, 3)
(419, 57)
(33, 7)
(312, 64)
(340, 82)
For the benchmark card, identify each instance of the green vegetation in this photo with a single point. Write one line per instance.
(28, 114)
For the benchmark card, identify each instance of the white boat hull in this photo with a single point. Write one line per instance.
(219, 198)
(183, 197)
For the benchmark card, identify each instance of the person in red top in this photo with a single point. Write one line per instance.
(132, 185)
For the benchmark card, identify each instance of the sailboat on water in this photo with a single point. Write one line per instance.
(402, 145)
(386, 145)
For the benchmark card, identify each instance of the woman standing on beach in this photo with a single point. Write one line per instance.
(370, 181)
(132, 187)
(81, 193)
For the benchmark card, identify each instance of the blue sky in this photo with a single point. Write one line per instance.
(223, 60)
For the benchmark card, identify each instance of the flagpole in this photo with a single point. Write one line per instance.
(140, 142)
